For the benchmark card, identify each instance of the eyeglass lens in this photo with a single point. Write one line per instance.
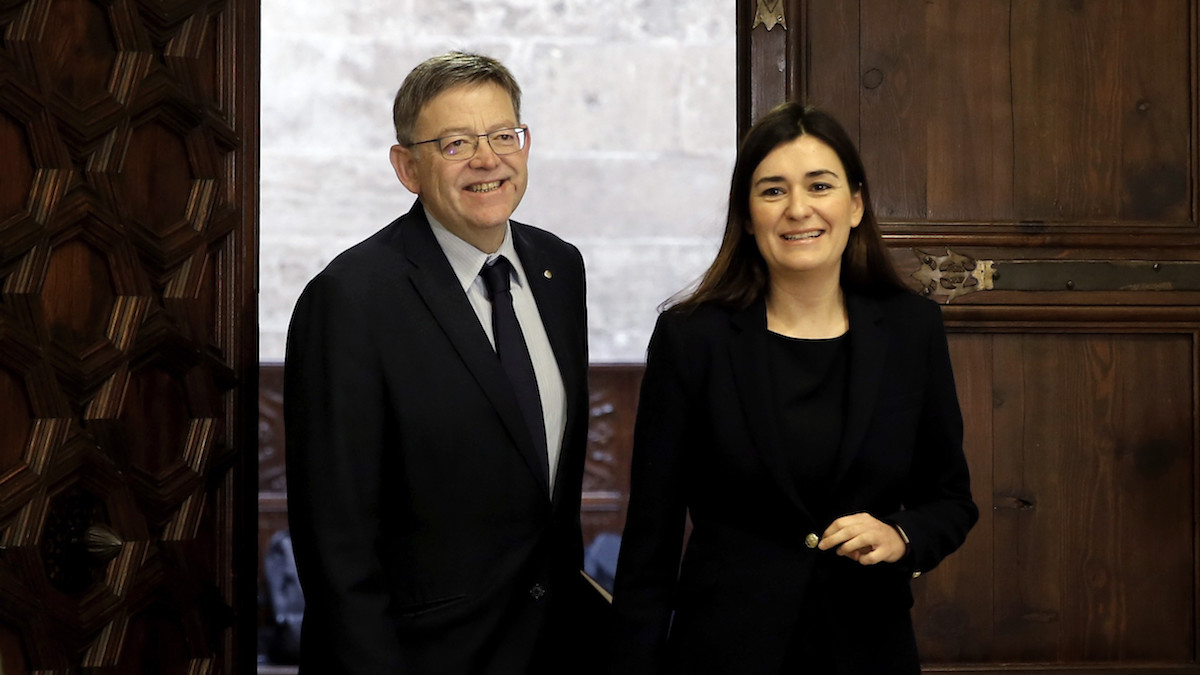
(503, 142)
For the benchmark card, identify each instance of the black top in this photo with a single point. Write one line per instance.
(809, 392)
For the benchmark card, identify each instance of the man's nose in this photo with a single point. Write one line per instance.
(485, 157)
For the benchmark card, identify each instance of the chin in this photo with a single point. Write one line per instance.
(496, 217)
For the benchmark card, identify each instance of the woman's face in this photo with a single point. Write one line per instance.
(802, 209)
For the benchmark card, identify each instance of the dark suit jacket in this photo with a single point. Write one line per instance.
(425, 534)
(749, 594)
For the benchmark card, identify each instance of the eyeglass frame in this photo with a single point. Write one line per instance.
(522, 132)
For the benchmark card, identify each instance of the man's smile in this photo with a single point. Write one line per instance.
(485, 187)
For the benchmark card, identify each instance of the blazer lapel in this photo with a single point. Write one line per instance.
(559, 317)
(438, 286)
(868, 342)
(751, 370)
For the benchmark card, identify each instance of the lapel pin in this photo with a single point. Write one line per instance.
(548, 274)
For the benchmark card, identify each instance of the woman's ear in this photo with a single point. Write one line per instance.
(856, 209)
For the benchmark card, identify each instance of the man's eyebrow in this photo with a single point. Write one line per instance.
(467, 131)
(453, 131)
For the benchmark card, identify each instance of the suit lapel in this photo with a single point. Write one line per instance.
(436, 283)
(868, 342)
(559, 313)
(751, 370)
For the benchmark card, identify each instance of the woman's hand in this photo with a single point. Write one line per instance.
(864, 539)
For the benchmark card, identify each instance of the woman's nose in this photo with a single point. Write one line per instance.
(798, 206)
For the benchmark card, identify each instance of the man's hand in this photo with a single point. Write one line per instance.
(864, 539)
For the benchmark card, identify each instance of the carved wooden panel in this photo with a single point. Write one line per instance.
(127, 334)
(613, 396)
(272, 478)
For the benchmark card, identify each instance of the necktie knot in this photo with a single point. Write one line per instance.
(496, 277)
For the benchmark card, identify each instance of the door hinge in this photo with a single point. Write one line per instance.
(769, 14)
(952, 275)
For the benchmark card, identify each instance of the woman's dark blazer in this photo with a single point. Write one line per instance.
(706, 445)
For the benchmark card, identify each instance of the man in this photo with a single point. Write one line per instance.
(434, 482)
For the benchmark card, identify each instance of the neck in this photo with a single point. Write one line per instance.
(487, 241)
(807, 310)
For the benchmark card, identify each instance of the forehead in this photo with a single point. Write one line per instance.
(800, 156)
(467, 107)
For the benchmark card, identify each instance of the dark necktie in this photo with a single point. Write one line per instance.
(510, 347)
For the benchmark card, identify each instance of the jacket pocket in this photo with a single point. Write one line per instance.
(419, 609)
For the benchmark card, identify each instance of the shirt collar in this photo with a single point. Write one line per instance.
(466, 260)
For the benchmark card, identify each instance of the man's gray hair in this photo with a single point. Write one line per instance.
(439, 73)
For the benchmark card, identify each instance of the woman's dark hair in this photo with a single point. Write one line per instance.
(738, 275)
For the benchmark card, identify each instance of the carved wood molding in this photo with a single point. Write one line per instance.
(127, 269)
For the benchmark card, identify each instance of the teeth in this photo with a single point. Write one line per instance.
(485, 187)
(804, 235)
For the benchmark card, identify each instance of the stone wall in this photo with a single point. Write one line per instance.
(631, 107)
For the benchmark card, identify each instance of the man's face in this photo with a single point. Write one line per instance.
(473, 198)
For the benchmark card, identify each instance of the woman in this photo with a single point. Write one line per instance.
(799, 405)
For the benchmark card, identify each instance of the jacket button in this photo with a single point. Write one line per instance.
(916, 574)
(811, 540)
(537, 592)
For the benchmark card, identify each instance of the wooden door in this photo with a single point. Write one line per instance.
(128, 169)
(1034, 164)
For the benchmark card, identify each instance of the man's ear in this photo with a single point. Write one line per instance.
(404, 161)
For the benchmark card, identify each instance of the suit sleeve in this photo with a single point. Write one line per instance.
(938, 508)
(648, 565)
(333, 409)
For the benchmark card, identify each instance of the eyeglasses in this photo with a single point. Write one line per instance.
(463, 146)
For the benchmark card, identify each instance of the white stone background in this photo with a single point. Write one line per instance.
(631, 107)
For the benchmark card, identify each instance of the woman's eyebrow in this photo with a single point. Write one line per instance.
(815, 173)
(820, 172)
